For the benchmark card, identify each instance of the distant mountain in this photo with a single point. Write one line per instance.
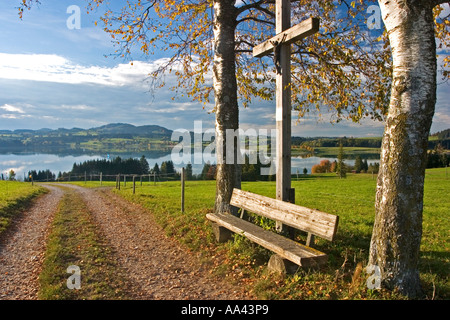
(115, 136)
(110, 130)
(151, 131)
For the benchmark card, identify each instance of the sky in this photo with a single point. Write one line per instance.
(53, 76)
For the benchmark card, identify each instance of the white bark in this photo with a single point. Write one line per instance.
(399, 197)
(226, 105)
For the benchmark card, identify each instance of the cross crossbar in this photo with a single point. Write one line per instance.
(291, 35)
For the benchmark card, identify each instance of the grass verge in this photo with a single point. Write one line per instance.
(15, 197)
(75, 241)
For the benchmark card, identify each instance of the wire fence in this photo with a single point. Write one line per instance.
(122, 179)
(150, 177)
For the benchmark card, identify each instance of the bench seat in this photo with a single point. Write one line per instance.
(295, 252)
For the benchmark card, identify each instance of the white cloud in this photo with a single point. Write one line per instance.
(54, 68)
(80, 107)
(446, 10)
(169, 107)
(12, 112)
(13, 116)
(11, 108)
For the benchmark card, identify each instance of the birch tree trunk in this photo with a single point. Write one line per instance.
(397, 231)
(226, 104)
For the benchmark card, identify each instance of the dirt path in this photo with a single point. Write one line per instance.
(158, 267)
(22, 248)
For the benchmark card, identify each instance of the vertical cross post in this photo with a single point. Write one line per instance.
(283, 104)
(283, 107)
(280, 45)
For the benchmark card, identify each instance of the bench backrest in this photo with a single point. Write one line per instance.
(316, 222)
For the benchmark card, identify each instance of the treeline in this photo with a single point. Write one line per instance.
(360, 166)
(438, 158)
(335, 142)
(249, 171)
(88, 168)
(442, 140)
(112, 167)
(41, 175)
(164, 171)
(442, 135)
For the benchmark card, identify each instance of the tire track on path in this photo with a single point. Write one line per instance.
(22, 248)
(158, 267)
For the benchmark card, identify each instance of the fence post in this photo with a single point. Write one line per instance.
(141, 179)
(124, 180)
(118, 179)
(134, 184)
(182, 190)
(101, 178)
(85, 177)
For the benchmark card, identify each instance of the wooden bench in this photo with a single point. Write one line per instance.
(289, 254)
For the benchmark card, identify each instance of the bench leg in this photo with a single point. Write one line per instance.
(280, 265)
(222, 234)
(310, 240)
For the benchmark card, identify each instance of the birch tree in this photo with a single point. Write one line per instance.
(397, 232)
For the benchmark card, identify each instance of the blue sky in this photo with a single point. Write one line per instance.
(54, 77)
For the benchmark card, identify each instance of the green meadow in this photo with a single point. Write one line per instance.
(243, 262)
(352, 199)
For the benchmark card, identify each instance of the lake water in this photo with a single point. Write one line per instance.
(23, 163)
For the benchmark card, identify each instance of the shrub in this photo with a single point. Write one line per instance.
(323, 167)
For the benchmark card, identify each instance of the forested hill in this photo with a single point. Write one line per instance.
(439, 139)
(113, 129)
(77, 137)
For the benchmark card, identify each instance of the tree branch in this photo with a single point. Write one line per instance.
(248, 6)
(243, 51)
(255, 19)
(256, 5)
(240, 41)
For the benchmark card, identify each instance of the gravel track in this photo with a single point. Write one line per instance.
(22, 248)
(157, 267)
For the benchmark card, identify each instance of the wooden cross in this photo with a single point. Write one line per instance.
(280, 45)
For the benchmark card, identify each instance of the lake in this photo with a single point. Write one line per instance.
(22, 163)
